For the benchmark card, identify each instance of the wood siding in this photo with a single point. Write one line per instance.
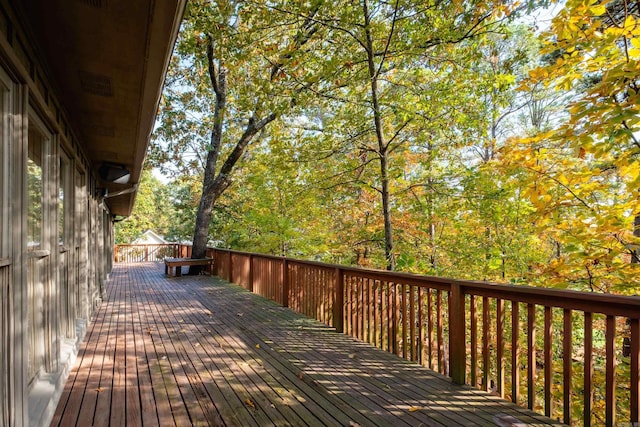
(48, 291)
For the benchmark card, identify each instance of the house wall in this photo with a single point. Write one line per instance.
(50, 284)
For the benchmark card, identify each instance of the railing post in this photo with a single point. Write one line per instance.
(230, 267)
(250, 279)
(146, 253)
(338, 302)
(635, 371)
(458, 357)
(285, 282)
(115, 254)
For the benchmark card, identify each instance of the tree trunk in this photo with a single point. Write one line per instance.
(382, 143)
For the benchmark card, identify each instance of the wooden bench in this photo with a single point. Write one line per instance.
(178, 263)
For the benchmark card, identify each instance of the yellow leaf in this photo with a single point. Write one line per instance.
(414, 409)
(257, 345)
(249, 403)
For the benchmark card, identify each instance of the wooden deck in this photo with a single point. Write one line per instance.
(199, 351)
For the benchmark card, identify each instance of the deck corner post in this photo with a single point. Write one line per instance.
(338, 302)
(457, 361)
(285, 282)
(115, 253)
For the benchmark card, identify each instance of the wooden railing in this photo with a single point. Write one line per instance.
(501, 338)
(148, 252)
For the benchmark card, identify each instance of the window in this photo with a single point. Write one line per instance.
(5, 170)
(37, 177)
(64, 200)
(35, 189)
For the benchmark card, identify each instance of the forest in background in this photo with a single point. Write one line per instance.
(443, 138)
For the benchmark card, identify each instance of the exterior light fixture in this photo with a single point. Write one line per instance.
(112, 172)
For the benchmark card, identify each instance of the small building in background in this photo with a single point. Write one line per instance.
(150, 237)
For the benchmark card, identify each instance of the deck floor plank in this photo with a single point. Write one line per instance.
(198, 351)
(153, 348)
(77, 389)
(174, 378)
(278, 394)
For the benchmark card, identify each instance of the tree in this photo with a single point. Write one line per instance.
(240, 66)
(401, 54)
(585, 172)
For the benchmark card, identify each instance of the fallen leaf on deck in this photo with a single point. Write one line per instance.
(99, 389)
(240, 314)
(300, 376)
(249, 403)
(353, 424)
(257, 345)
(414, 409)
(352, 356)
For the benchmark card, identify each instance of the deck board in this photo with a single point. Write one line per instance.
(198, 351)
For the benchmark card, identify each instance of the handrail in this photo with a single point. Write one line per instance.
(608, 304)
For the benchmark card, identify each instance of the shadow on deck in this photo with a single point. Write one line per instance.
(199, 351)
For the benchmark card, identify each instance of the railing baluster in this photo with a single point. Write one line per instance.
(421, 320)
(285, 282)
(412, 322)
(353, 307)
(440, 339)
(588, 368)
(393, 347)
(531, 356)
(363, 309)
(403, 313)
(610, 395)
(548, 361)
(635, 371)
(430, 326)
(500, 346)
(567, 365)
(486, 371)
(384, 318)
(397, 319)
(474, 339)
(377, 314)
(457, 345)
(338, 302)
(370, 312)
(515, 352)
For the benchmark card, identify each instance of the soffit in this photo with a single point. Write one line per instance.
(107, 60)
